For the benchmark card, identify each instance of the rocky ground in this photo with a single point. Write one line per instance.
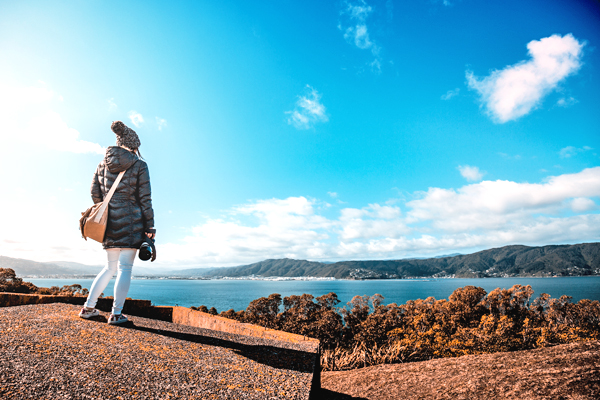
(47, 352)
(570, 371)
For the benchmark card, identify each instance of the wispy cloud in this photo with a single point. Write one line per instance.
(470, 173)
(570, 151)
(566, 102)
(136, 118)
(161, 122)
(112, 106)
(450, 94)
(375, 66)
(516, 90)
(510, 157)
(28, 116)
(309, 110)
(356, 31)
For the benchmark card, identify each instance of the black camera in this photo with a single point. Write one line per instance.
(147, 250)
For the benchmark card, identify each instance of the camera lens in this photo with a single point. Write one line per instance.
(145, 252)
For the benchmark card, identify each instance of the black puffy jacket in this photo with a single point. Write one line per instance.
(130, 211)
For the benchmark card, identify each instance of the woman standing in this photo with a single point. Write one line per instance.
(130, 217)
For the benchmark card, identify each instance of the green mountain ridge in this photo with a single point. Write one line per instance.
(508, 261)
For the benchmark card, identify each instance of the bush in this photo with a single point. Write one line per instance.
(9, 282)
(471, 321)
(66, 290)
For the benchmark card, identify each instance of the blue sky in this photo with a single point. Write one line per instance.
(321, 130)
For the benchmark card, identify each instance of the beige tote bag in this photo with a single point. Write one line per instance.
(93, 220)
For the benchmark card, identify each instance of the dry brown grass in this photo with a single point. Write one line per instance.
(570, 371)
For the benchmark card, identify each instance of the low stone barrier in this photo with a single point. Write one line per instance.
(140, 308)
(199, 319)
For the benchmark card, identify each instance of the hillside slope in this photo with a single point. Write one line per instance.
(516, 260)
(33, 268)
(569, 371)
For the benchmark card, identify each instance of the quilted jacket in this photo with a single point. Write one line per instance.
(130, 209)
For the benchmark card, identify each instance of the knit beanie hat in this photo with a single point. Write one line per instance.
(125, 135)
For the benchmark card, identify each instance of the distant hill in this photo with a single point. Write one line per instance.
(28, 268)
(59, 269)
(508, 261)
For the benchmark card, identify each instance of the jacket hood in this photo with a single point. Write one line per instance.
(118, 159)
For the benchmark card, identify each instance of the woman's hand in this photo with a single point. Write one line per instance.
(151, 233)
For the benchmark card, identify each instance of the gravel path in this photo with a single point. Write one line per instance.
(46, 351)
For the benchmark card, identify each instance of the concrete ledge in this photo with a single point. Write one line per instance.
(199, 319)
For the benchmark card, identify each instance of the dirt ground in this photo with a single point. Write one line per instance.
(570, 371)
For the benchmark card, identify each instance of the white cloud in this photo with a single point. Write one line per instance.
(470, 173)
(450, 94)
(28, 117)
(161, 122)
(496, 204)
(570, 151)
(18, 240)
(35, 134)
(559, 209)
(55, 134)
(470, 218)
(516, 90)
(282, 228)
(583, 204)
(373, 221)
(309, 110)
(136, 118)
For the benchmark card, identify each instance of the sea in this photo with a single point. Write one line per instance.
(225, 294)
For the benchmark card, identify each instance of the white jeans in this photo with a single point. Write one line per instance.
(123, 259)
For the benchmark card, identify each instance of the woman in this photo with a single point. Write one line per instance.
(130, 217)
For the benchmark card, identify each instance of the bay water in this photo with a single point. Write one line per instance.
(224, 294)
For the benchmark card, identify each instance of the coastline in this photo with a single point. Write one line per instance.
(301, 278)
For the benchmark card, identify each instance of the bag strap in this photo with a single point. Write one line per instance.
(106, 200)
